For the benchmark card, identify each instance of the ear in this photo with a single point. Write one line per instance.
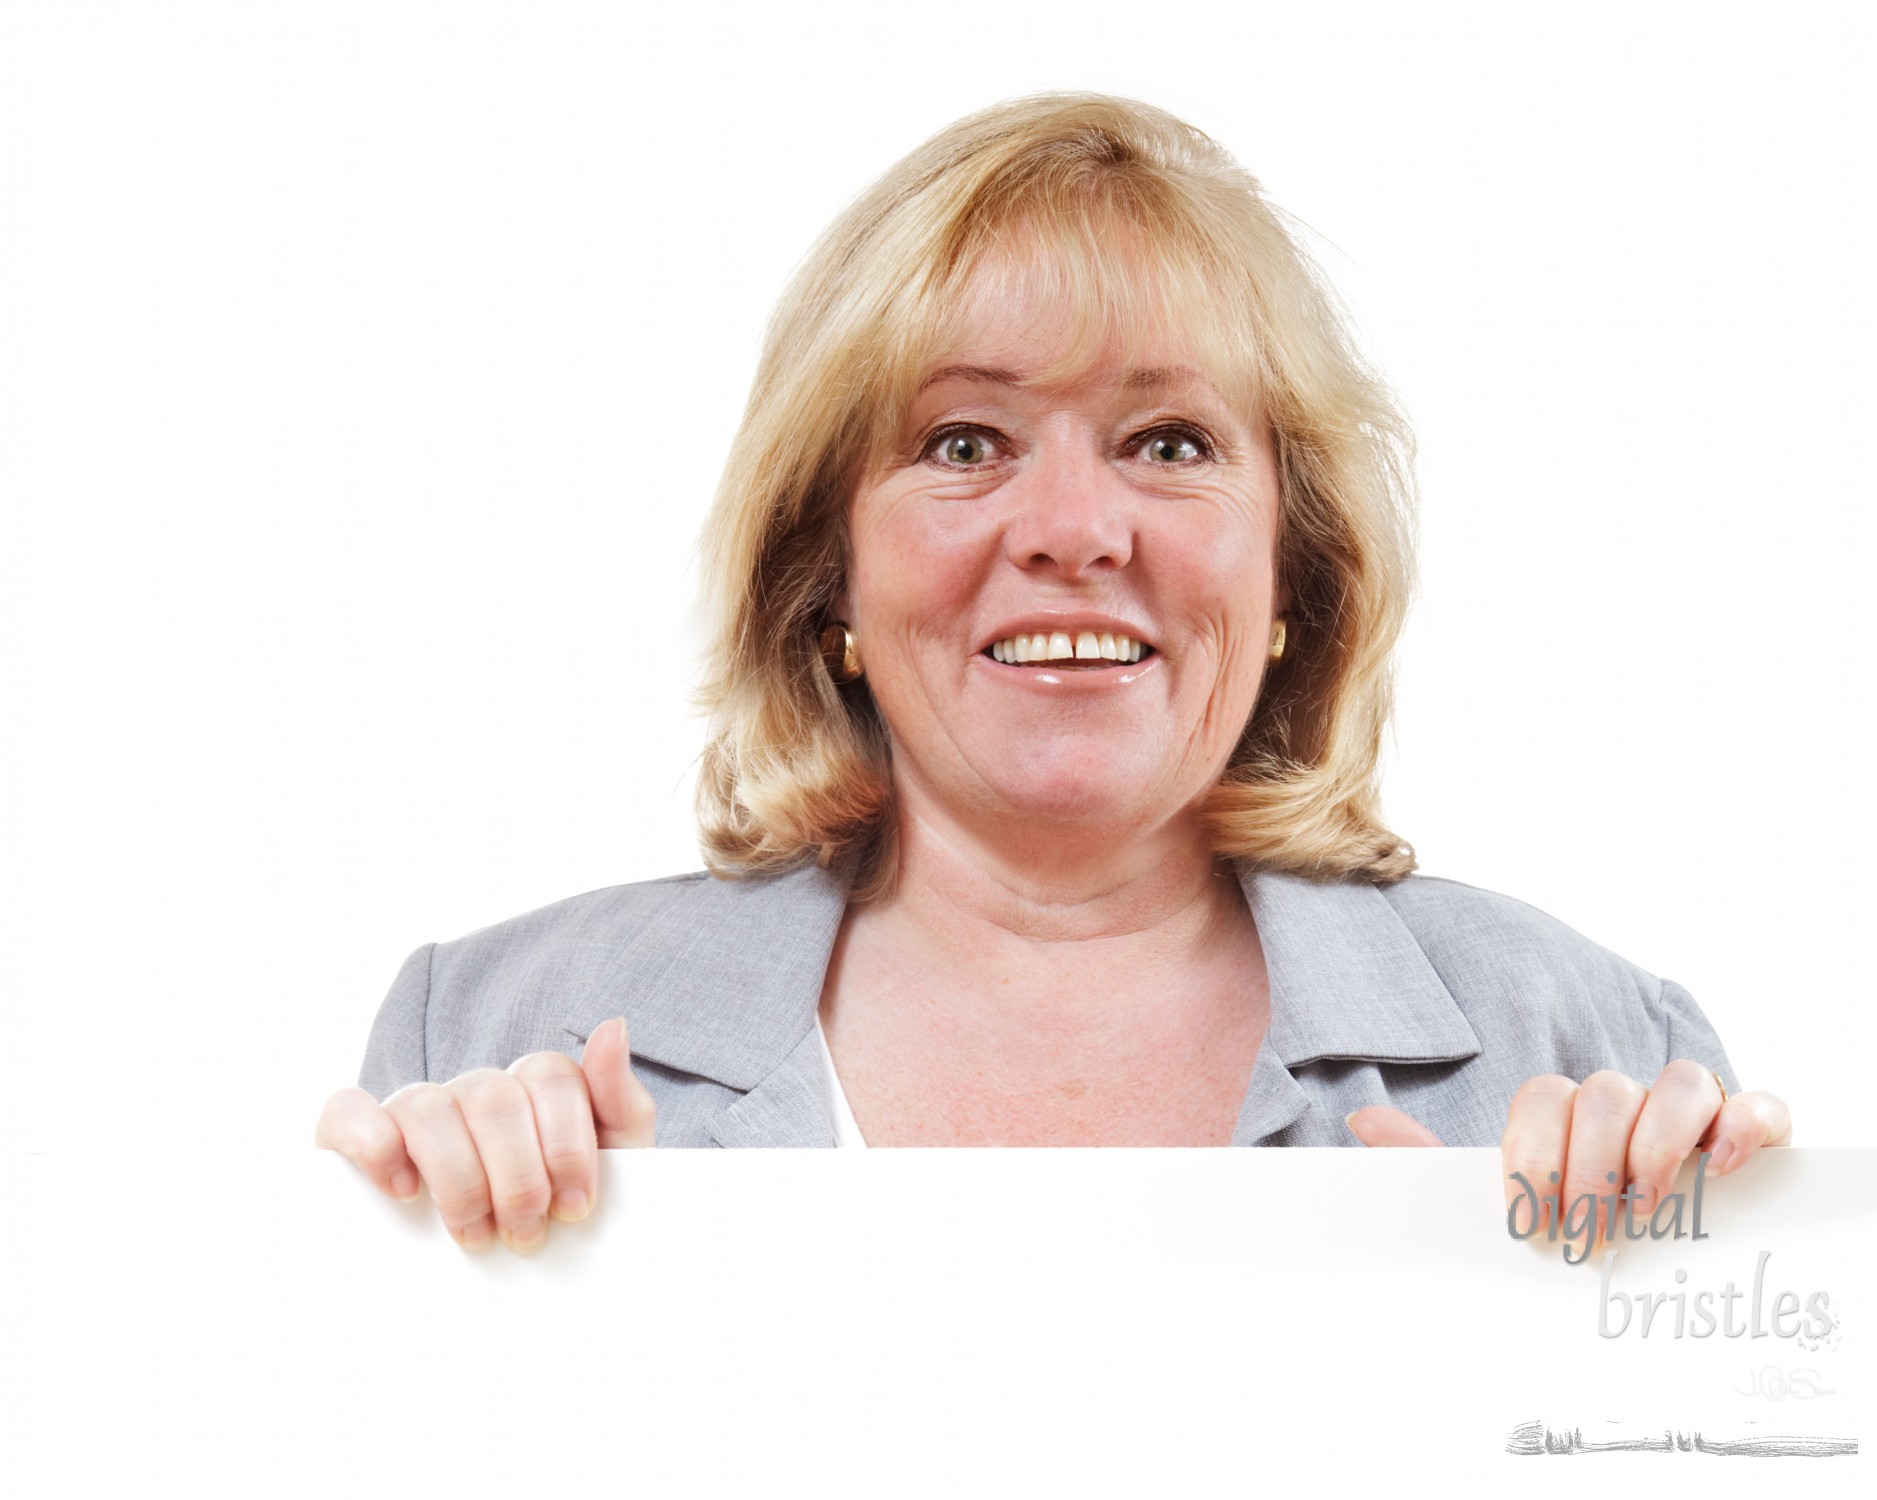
(841, 606)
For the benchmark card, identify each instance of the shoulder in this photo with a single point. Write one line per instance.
(516, 986)
(557, 933)
(1530, 983)
(640, 928)
(713, 974)
(1466, 931)
(607, 946)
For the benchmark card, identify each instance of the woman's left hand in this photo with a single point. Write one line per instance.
(1608, 1124)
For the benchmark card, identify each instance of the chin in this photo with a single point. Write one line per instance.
(1106, 799)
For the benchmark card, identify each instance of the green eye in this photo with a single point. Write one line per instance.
(962, 449)
(1172, 448)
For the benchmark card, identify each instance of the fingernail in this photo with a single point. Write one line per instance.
(526, 1237)
(474, 1236)
(1724, 1154)
(404, 1185)
(1350, 1116)
(571, 1205)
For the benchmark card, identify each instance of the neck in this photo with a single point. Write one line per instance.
(1045, 931)
(1043, 886)
(1006, 994)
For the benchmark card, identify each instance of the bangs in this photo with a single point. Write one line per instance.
(1123, 276)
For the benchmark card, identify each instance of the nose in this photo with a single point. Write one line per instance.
(1072, 514)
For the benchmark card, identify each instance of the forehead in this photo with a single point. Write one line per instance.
(1039, 368)
(1029, 319)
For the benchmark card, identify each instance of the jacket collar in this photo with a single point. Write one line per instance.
(1348, 979)
(1348, 982)
(737, 969)
(731, 973)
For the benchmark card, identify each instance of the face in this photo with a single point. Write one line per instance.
(1013, 538)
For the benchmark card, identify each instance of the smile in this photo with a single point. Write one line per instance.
(1085, 650)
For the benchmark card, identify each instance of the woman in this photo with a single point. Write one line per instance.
(1055, 573)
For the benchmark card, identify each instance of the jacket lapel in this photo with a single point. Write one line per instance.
(723, 982)
(1347, 982)
(1348, 979)
(731, 973)
(790, 1107)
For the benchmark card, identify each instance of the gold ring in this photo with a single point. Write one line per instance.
(1721, 1086)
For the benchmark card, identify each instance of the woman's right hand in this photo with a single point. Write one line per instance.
(499, 1150)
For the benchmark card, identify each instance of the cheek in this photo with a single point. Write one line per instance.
(915, 569)
(1222, 580)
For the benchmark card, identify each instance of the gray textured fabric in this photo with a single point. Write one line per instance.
(1429, 995)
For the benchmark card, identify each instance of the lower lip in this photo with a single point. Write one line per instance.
(1076, 680)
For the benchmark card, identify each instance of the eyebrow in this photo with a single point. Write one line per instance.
(1151, 378)
(983, 374)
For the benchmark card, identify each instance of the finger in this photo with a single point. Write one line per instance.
(563, 1120)
(623, 1112)
(1384, 1125)
(355, 1125)
(500, 1116)
(1745, 1124)
(1536, 1142)
(438, 1139)
(1603, 1116)
(1682, 1103)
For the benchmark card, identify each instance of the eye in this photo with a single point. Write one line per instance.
(1174, 445)
(961, 447)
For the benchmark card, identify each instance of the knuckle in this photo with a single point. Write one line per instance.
(1607, 1086)
(379, 1143)
(1546, 1087)
(346, 1099)
(1582, 1185)
(339, 1119)
(523, 1200)
(478, 1081)
(544, 1068)
(490, 1092)
(461, 1204)
(1524, 1153)
(421, 1102)
(561, 1091)
(569, 1164)
(1685, 1073)
(1653, 1160)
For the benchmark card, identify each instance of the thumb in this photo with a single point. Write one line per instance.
(622, 1109)
(1384, 1125)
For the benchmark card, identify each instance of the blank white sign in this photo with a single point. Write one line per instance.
(1120, 1322)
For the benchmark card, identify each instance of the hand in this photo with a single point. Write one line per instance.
(1610, 1124)
(499, 1150)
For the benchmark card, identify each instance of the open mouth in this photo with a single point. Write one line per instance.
(1084, 651)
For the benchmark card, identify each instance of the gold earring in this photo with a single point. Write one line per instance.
(840, 654)
(1279, 628)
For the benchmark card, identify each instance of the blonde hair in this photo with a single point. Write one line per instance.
(1133, 220)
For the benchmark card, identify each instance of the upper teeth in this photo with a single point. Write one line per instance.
(1060, 646)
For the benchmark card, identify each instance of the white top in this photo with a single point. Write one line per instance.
(846, 1132)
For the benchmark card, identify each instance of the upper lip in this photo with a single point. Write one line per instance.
(1070, 625)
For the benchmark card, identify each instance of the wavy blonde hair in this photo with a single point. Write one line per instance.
(1134, 222)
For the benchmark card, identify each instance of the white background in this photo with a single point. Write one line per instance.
(366, 370)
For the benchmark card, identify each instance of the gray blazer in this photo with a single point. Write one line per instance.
(1427, 995)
